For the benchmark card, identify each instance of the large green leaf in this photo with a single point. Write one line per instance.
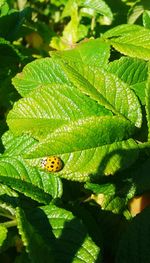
(16, 173)
(49, 108)
(39, 73)
(99, 6)
(73, 243)
(107, 89)
(56, 235)
(132, 71)
(91, 52)
(82, 135)
(131, 40)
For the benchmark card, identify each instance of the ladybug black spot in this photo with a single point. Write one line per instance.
(52, 166)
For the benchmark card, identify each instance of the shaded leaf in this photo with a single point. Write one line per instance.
(132, 71)
(3, 234)
(146, 19)
(90, 52)
(147, 98)
(131, 247)
(39, 73)
(99, 6)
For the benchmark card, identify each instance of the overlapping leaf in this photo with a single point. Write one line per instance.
(39, 73)
(71, 124)
(94, 162)
(50, 108)
(132, 71)
(3, 234)
(57, 236)
(99, 6)
(16, 173)
(148, 101)
(131, 40)
(91, 52)
(107, 89)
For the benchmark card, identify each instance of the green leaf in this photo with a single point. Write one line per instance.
(131, 246)
(107, 197)
(134, 13)
(86, 164)
(107, 89)
(26, 176)
(14, 172)
(131, 40)
(54, 232)
(146, 19)
(16, 145)
(141, 178)
(73, 243)
(4, 7)
(51, 107)
(148, 101)
(35, 242)
(3, 234)
(39, 73)
(91, 52)
(132, 71)
(106, 189)
(99, 6)
(83, 134)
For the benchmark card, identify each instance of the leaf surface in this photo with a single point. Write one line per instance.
(131, 40)
(57, 235)
(132, 71)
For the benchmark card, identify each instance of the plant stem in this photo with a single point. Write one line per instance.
(8, 224)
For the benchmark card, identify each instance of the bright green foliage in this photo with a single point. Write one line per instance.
(3, 234)
(124, 39)
(132, 71)
(75, 85)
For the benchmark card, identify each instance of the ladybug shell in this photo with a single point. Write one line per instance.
(52, 164)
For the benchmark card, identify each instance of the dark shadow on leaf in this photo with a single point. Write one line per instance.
(26, 188)
(70, 241)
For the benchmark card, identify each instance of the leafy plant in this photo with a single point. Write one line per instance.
(87, 103)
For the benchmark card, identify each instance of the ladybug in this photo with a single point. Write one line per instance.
(52, 164)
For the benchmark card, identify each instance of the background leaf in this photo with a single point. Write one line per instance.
(38, 73)
(132, 71)
(131, 246)
(51, 107)
(3, 234)
(89, 52)
(147, 98)
(124, 39)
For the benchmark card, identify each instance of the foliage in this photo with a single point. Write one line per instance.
(75, 84)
